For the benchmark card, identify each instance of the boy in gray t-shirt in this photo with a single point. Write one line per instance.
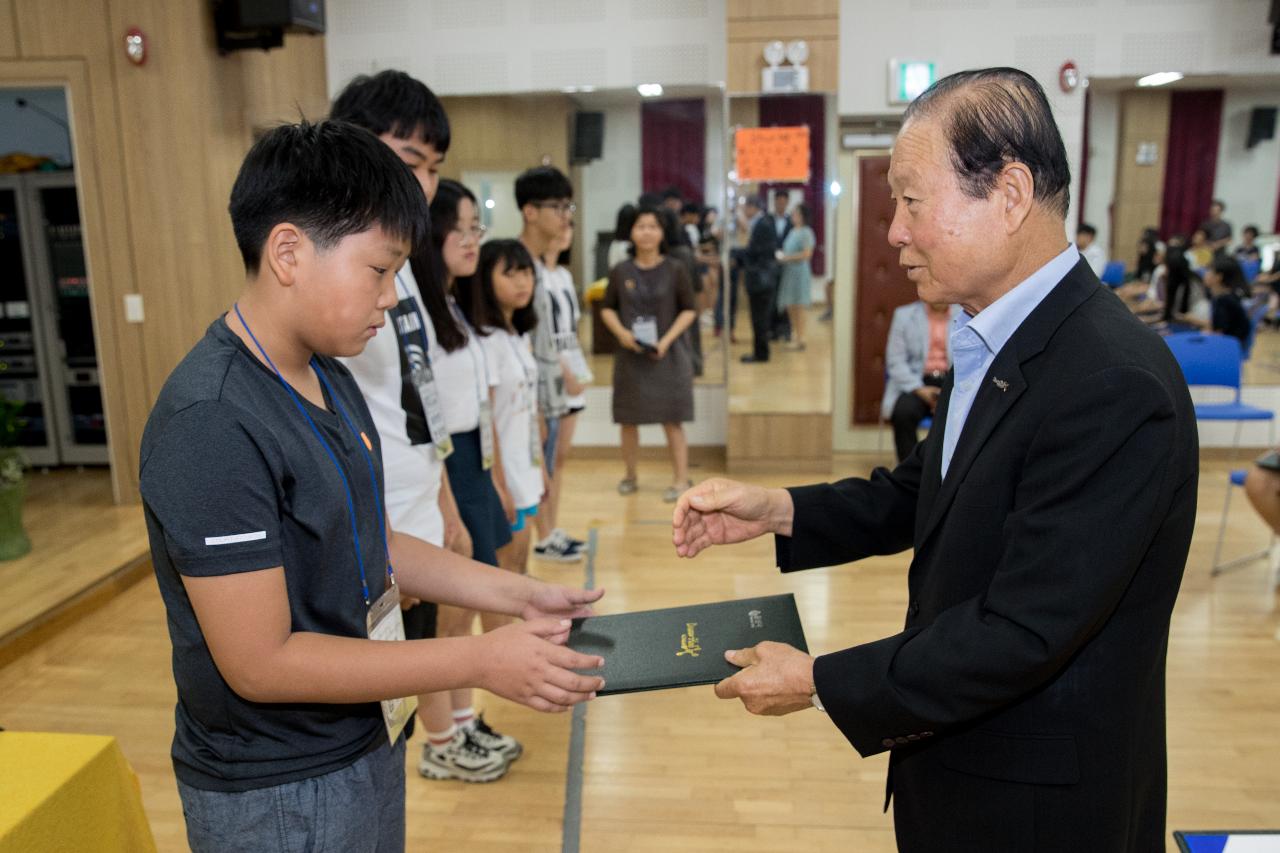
(262, 485)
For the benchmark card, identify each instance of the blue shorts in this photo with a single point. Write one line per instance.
(521, 515)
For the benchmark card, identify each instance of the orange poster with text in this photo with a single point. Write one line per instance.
(772, 153)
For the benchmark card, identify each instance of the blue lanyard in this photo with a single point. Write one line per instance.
(333, 457)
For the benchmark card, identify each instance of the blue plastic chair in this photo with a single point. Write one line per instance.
(1256, 308)
(1113, 273)
(1250, 269)
(1234, 479)
(1214, 361)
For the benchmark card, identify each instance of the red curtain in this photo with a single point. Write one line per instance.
(794, 111)
(673, 147)
(1276, 228)
(1195, 123)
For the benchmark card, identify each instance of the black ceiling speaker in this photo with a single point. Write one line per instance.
(261, 24)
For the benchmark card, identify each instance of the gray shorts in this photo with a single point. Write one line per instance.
(358, 809)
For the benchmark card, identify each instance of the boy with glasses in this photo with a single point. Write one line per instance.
(545, 198)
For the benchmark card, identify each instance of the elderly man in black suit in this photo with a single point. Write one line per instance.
(1050, 509)
(759, 268)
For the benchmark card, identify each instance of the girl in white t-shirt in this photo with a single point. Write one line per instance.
(497, 301)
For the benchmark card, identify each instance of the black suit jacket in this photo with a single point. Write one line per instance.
(758, 259)
(1024, 700)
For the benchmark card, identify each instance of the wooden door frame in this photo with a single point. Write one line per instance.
(846, 436)
(107, 267)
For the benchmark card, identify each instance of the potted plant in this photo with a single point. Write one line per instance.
(13, 486)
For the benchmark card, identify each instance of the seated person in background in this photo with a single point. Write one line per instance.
(1150, 254)
(1262, 485)
(1200, 252)
(1217, 231)
(1086, 235)
(917, 358)
(1176, 281)
(1227, 316)
(1248, 249)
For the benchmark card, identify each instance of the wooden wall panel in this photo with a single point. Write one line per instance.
(167, 139)
(771, 442)
(277, 83)
(1144, 118)
(499, 133)
(48, 29)
(745, 10)
(8, 30)
(751, 24)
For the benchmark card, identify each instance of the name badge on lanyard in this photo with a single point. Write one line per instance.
(486, 435)
(645, 330)
(578, 365)
(411, 327)
(385, 622)
(429, 393)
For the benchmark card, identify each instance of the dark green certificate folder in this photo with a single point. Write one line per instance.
(683, 646)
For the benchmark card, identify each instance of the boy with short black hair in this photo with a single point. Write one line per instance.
(403, 113)
(545, 198)
(261, 482)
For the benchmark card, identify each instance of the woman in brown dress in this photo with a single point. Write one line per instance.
(648, 305)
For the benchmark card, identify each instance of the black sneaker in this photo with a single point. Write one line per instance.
(503, 746)
(557, 550)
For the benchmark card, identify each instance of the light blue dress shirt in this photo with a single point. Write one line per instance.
(975, 341)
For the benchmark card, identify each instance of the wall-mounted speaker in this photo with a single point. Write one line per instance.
(1262, 125)
(261, 24)
(587, 136)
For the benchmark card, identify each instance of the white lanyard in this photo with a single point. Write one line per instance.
(530, 392)
(481, 367)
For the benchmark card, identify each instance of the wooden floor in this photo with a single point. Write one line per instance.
(78, 537)
(681, 770)
(790, 382)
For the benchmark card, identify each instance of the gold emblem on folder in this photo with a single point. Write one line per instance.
(689, 641)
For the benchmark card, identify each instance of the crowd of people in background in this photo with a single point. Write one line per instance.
(1199, 282)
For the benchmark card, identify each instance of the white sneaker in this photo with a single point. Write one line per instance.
(461, 758)
(557, 550)
(566, 539)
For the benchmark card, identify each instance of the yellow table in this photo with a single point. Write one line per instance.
(61, 792)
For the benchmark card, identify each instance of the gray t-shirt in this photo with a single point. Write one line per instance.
(234, 480)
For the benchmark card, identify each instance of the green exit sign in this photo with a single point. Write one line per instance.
(908, 78)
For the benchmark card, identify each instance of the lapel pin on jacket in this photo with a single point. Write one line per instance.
(1000, 383)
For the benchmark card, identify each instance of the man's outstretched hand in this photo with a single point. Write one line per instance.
(722, 512)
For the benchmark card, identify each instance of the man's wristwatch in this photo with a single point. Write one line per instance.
(817, 703)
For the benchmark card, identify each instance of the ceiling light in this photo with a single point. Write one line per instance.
(650, 90)
(1160, 78)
